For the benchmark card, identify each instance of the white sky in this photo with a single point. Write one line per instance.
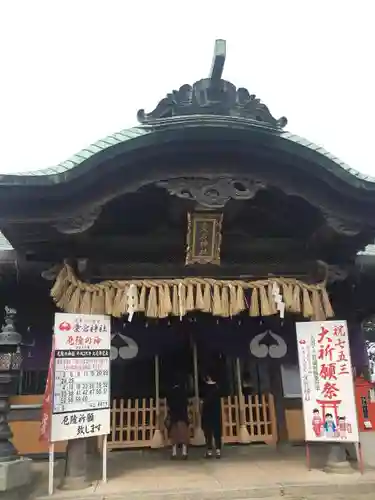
(74, 71)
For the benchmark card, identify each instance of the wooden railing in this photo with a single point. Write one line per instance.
(133, 421)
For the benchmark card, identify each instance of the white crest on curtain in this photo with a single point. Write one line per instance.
(260, 350)
(127, 351)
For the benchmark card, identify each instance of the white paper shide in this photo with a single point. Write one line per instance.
(81, 382)
(327, 381)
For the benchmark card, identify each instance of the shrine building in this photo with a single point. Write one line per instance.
(216, 218)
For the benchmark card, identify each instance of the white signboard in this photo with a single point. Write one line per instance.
(81, 382)
(327, 381)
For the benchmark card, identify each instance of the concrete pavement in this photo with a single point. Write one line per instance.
(243, 473)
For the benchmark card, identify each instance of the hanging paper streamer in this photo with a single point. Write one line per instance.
(280, 304)
(132, 295)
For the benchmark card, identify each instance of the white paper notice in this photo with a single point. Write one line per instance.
(81, 388)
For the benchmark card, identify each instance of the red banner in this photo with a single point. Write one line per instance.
(45, 425)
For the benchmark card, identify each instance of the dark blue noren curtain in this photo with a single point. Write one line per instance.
(232, 337)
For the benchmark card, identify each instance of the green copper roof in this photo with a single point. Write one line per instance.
(174, 123)
(209, 102)
(88, 152)
(319, 149)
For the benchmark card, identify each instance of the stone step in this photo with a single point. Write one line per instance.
(363, 490)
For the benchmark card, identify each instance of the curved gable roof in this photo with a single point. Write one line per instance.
(209, 103)
(126, 137)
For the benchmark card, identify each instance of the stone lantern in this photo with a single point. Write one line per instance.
(14, 470)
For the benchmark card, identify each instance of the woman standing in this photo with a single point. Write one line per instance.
(211, 416)
(178, 421)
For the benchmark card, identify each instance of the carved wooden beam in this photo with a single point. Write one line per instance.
(212, 194)
(313, 271)
(235, 244)
(310, 271)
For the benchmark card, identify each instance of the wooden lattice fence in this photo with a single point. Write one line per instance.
(133, 421)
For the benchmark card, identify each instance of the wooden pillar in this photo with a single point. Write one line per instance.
(243, 435)
(198, 439)
(278, 397)
(158, 438)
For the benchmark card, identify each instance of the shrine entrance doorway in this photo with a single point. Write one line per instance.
(137, 412)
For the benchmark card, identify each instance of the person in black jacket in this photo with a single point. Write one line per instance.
(211, 415)
(178, 421)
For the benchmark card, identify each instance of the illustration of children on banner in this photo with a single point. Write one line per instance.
(317, 423)
(330, 428)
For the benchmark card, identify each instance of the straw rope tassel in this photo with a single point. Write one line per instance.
(199, 302)
(307, 306)
(327, 304)
(152, 303)
(241, 303)
(85, 306)
(318, 311)
(59, 286)
(94, 302)
(162, 313)
(175, 302)
(216, 302)
(167, 300)
(198, 437)
(225, 302)
(109, 295)
(157, 440)
(190, 293)
(116, 310)
(297, 299)
(74, 303)
(264, 305)
(99, 302)
(243, 434)
(142, 299)
(288, 297)
(207, 299)
(233, 305)
(254, 302)
(190, 306)
(65, 298)
(181, 300)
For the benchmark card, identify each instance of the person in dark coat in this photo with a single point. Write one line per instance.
(211, 415)
(178, 420)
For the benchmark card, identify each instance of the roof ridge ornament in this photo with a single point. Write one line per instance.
(213, 96)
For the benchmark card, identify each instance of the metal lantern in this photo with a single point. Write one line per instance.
(10, 344)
